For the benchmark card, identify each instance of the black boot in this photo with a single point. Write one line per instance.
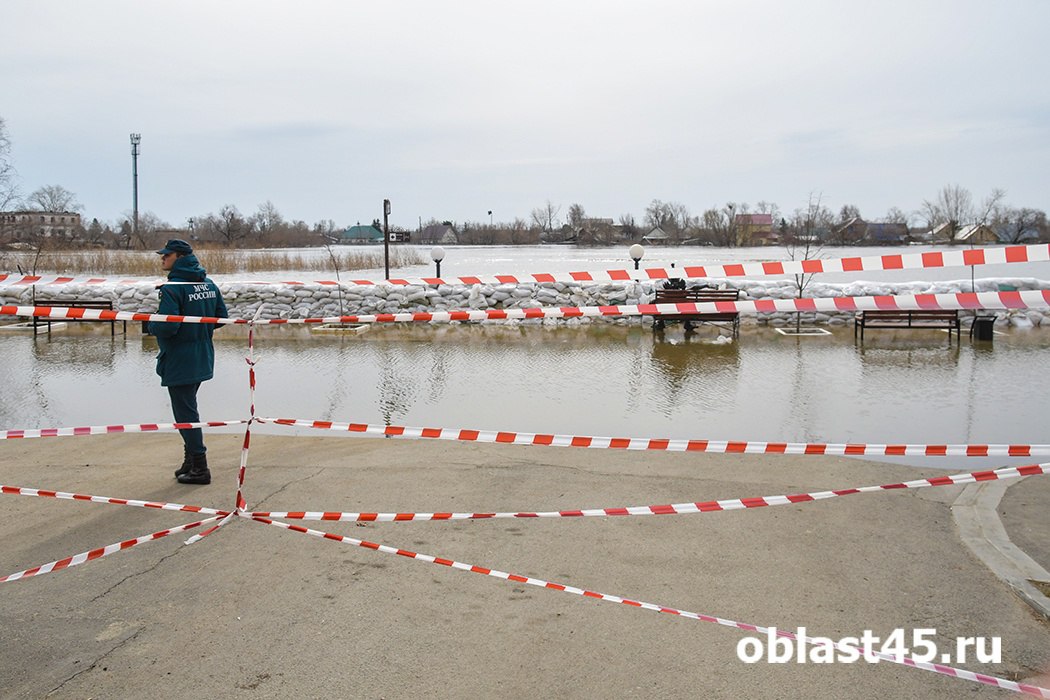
(198, 473)
(187, 463)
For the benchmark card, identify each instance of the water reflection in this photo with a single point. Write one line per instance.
(398, 381)
(65, 351)
(694, 369)
(592, 380)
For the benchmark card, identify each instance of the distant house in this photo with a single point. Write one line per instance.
(565, 235)
(439, 234)
(27, 225)
(941, 233)
(598, 230)
(754, 229)
(361, 234)
(1009, 234)
(920, 234)
(977, 234)
(851, 232)
(657, 236)
(885, 234)
(857, 230)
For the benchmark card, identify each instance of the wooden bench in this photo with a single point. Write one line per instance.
(697, 295)
(942, 319)
(76, 304)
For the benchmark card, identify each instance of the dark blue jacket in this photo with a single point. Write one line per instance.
(186, 353)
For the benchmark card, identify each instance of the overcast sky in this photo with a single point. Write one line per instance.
(452, 109)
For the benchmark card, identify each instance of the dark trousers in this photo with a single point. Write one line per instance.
(184, 407)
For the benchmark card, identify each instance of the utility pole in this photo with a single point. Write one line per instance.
(386, 237)
(136, 139)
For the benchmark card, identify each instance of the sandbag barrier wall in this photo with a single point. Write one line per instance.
(312, 300)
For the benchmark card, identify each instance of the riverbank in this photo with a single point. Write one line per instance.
(252, 611)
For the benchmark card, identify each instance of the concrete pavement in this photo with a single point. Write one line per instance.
(255, 612)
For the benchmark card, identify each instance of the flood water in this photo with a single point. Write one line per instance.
(524, 260)
(600, 380)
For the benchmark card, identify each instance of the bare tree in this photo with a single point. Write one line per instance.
(672, 218)
(659, 215)
(896, 215)
(848, 212)
(805, 243)
(267, 220)
(326, 240)
(628, 227)
(576, 216)
(230, 226)
(764, 207)
(8, 175)
(54, 198)
(1018, 225)
(146, 236)
(520, 232)
(848, 227)
(953, 206)
(681, 217)
(95, 234)
(990, 206)
(546, 217)
(717, 224)
(326, 228)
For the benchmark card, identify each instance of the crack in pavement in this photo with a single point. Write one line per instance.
(286, 485)
(137, 573)
(95, 663)
(176, 552)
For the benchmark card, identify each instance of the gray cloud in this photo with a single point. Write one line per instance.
(457, 108)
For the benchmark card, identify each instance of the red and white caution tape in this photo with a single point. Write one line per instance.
(59, 280)
(63, 495)
(959, 257)
(240, 501)
(110, 429)
(61, 312)
(201, 535)
(1027, 299)
(93, 554)
(506, 437)
(673, 508)
(540, 583)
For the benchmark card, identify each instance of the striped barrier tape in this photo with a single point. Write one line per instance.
(674, 508)
(110, 429)
(94, 554)
(66, 496)
(58, 280)
(996, 301)
(201, 535)
(505, 437)
(962, 257)
(241, 503)
(941, 669)
(242, 469)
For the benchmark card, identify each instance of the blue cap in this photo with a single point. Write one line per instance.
(177, 246)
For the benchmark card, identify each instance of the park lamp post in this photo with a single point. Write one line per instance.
(386, 238)
(136, 139)
(636, 252)
(437, 254)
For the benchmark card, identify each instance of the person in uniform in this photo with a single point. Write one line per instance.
(186, 356)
